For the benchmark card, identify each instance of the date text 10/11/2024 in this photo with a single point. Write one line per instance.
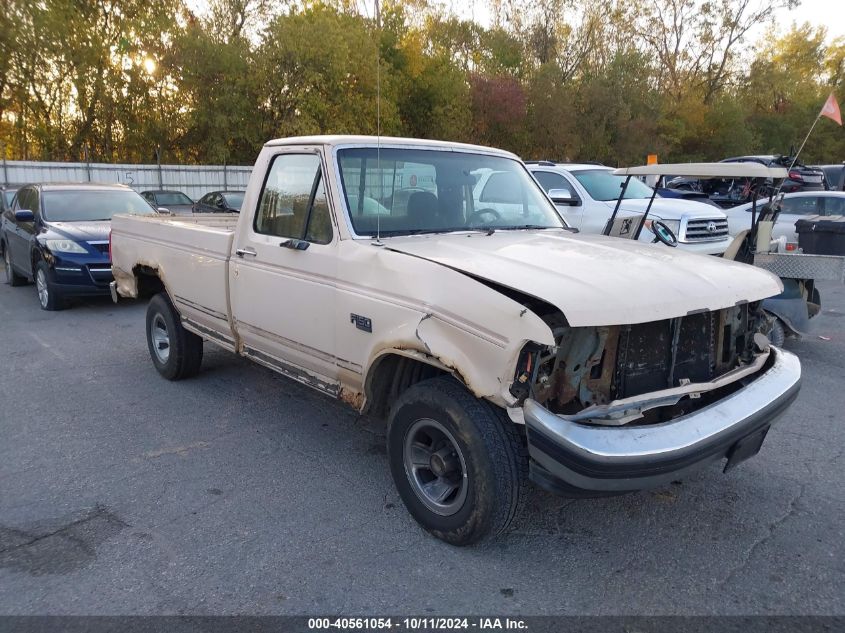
(422, 623)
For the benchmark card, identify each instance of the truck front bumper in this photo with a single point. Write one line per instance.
(583, 460)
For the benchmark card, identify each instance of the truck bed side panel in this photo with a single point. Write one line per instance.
(190, 256)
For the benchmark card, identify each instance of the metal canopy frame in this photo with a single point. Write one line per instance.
(706, 170)
(754, 171)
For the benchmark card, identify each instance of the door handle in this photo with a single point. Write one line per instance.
(241, 252)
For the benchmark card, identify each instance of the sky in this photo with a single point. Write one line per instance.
(828, 13)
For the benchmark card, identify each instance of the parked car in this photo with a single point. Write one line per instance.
(175, 202)
(499, 345)
(220, 202)
(731, 192)
(57, 236)
(801, 177)
(586, 195)
(834, 175)
(794, 207)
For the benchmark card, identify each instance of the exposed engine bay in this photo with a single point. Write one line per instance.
(649, 372)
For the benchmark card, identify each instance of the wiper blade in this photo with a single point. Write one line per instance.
(525, 227)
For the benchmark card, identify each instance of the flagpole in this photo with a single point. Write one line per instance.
(795, 158)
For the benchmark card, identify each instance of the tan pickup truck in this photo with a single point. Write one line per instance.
(500, 345)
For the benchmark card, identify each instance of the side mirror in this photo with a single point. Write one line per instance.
(24, 215)
(563, 196)
(163, 210)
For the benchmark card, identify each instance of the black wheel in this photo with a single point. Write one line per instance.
(663, 234)
(49, 296)
(176, 353)
(12, 278)
(777, 335)
(458, 462)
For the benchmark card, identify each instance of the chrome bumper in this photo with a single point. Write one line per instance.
(567, 456)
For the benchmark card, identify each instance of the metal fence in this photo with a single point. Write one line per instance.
(194, 180)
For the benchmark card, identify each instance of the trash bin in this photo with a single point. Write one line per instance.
(822, 235)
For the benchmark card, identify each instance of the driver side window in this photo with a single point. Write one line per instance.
(27, 199)
(549, 181)
(293, 202)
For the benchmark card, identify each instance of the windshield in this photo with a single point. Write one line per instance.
(234, 199)
(9, 194)
(430, 191)
(91, 205)
(601, 184)
(165, 198)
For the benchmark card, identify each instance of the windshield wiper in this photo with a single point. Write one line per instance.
(457, 229)
(525, 227)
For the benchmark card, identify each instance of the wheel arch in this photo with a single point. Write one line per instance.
(143, 281)
(392, 371)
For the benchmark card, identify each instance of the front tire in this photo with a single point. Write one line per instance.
(458, 462)
(176, 353)
(49, 296)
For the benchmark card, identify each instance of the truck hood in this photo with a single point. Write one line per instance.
(671, 208)
(596, 280)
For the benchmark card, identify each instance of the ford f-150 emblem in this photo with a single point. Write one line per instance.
(361, 322)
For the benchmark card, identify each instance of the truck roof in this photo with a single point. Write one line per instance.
(574, 166)
(335, 140)
(78, 186)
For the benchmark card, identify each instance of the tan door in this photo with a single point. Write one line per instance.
(283, 273)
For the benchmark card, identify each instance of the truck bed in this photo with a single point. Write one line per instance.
(191, 256)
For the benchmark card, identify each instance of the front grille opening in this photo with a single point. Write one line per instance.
(599, 365)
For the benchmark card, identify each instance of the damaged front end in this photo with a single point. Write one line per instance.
(601, 374)
(610, 384)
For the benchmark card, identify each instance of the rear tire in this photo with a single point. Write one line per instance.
(49, 296)
(458, 462)
(12, 278)
(176, 353)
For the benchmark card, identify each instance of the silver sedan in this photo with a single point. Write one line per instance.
(795, 206)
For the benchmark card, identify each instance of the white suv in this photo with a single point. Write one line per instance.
(594, 189)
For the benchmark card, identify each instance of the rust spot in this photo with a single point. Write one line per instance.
(354, 399)
(127, 284)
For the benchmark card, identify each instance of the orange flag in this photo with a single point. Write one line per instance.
(831, 110)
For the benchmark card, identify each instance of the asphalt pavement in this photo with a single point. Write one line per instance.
(241, 492)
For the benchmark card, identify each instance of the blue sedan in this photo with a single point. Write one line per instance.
(58, 237)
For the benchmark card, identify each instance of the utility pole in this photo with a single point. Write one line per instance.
(87, 161)
(158, 163)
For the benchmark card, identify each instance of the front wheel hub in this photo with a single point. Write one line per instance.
(435, 467)
(444, 462)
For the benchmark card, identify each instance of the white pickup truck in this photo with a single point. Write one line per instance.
(586, 195)
(499, 345)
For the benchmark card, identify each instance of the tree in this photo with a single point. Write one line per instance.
(318, 73)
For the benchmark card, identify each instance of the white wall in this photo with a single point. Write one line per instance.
(194, 180)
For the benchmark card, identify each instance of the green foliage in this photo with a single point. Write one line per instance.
(613, 81)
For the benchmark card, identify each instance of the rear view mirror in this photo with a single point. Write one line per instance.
(562, 196)
(24, 215)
